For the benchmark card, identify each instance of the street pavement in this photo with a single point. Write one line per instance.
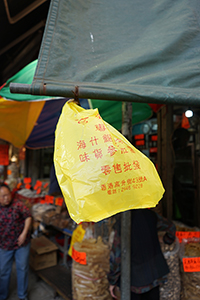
(37, 288)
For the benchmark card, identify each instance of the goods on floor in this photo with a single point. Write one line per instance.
(190, 268)
(171, 289)
(89, 270)
(43, 253)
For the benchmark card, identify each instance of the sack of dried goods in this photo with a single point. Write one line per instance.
(171, 289)
(89, 270)
(190, 268)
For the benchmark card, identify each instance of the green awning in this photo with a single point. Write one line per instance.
(140, 51)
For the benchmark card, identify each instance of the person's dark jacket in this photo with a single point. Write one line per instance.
(147, 261)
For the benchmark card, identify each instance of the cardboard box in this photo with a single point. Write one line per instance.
(43, 253)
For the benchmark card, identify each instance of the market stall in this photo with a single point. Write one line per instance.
(148, 62)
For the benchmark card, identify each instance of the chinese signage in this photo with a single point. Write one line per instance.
(191, 264)
(187, 234)
(79, 257)
(52, 200)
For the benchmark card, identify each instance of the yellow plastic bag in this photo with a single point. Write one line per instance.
(99, 171)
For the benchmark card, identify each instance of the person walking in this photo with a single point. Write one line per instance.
(15, 222)
(149, 268)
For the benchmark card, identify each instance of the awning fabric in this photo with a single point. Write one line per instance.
(25, 76)
(19, 113)
(42, 134)
(17, 120)
(26, 119)
(38, 131)
(140, 51)
(111, 112)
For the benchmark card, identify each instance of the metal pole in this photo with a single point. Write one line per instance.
(126, 216)
(99, 91)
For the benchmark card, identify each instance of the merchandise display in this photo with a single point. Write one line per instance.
(28, 197)
(183, 227)
(50, 214)
(91, 255)
(171, 290)
(39, 210)
(190, 271)
(89, 270)
(61, 221)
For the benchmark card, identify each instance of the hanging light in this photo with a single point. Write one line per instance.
(189, 113)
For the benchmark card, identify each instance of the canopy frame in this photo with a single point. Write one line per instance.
(99, 93)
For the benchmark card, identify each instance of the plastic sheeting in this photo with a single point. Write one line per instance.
(99, 171)
(140, 51)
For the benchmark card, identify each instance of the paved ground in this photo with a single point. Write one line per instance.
(37, 289)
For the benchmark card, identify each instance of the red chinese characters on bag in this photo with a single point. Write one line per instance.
(99, 171)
